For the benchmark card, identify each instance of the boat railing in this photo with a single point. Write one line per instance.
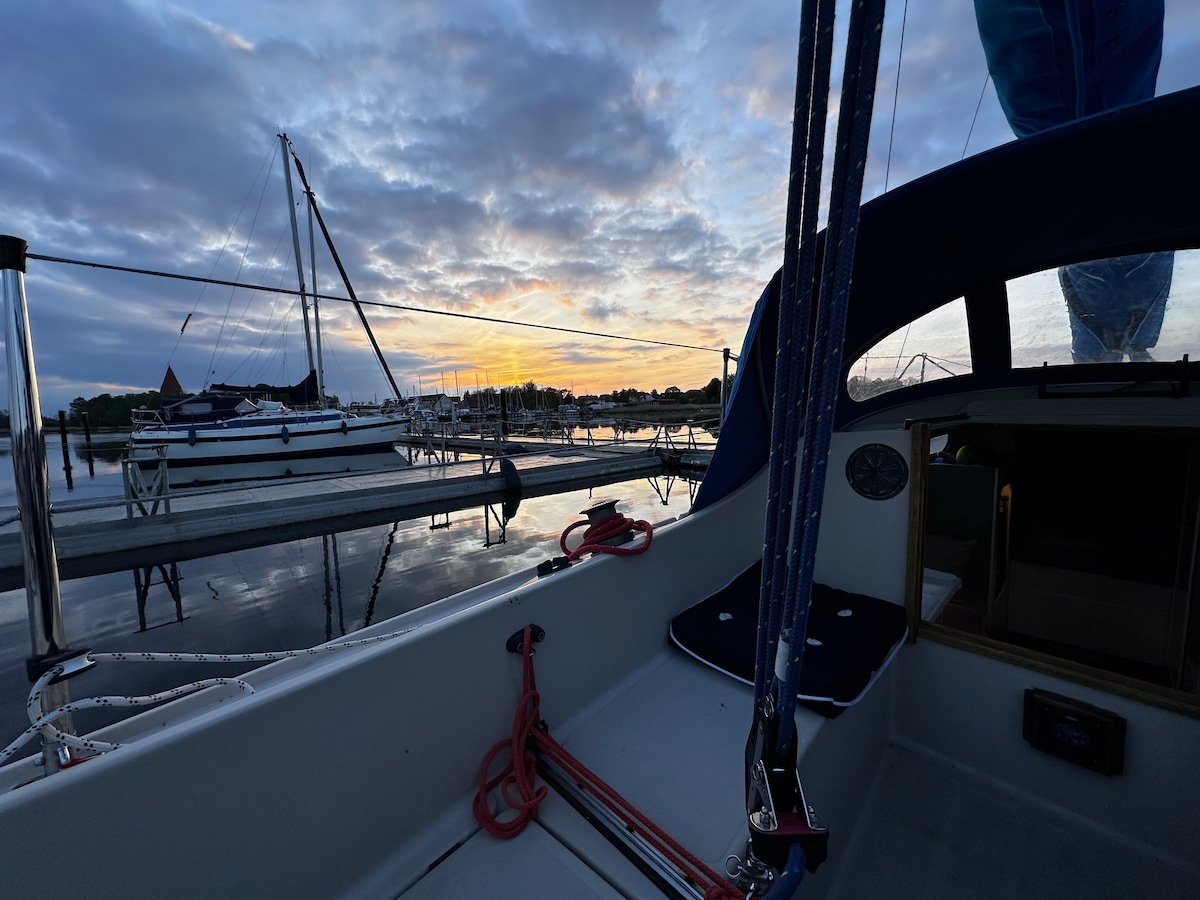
(691, 434)
(146, 418)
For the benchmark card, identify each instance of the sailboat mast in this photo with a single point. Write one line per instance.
(337, 261)
(287, 179)
(312, 257)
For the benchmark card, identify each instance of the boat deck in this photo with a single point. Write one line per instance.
(934, 830)
(905, 822)
(667, 778)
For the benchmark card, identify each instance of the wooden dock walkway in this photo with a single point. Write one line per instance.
(96, 537)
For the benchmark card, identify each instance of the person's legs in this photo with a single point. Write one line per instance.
(1116, 306)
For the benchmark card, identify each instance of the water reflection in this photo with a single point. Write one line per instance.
(275, 469)
(143, 581)
(296, 594)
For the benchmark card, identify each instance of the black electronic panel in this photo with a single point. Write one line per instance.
(1075, 731)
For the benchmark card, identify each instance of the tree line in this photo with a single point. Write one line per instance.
(116, 411)
(531, 396)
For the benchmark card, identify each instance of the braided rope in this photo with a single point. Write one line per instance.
(43, 722)
(849, 165)
(795, 312)
(607, 528)
(529, 731)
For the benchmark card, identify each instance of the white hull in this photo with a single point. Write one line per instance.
(266, 437)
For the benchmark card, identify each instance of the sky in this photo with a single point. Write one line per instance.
(609, 166)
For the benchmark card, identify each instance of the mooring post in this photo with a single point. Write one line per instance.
(66, 451)
(724, 381)
(87, 443)
(33, 485)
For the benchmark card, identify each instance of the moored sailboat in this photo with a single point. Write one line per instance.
(241, 424)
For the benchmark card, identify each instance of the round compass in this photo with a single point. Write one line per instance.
(877, 471)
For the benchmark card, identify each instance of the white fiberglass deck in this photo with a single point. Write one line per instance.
(934, 830)
(908, 821)
(670, 739)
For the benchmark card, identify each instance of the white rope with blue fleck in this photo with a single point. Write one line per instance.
(43, 722)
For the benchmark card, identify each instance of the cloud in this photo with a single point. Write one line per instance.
(600, 311)
(629, 24)
(559, 162)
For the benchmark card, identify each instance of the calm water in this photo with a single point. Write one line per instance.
(279, 597)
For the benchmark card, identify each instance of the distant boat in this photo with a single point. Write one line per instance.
(227, 425)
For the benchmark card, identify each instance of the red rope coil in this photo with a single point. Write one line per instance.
(528, 732)
(607, 528)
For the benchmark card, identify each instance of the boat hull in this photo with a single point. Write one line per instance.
(254, 440)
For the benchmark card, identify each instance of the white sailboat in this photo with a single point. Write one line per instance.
(229, 426)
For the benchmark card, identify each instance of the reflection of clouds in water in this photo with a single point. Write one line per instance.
(274, 598)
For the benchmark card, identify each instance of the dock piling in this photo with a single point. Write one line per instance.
(87, 443)
(66, 451)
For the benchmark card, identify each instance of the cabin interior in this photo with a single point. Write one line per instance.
(1035, 739)
(1079, 543)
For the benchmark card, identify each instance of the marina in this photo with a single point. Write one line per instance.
(288, 591)
(912, 638)
(95, 536)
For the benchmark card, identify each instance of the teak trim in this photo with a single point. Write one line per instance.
(1122, 685)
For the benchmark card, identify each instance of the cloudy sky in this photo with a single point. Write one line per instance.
(614, 166)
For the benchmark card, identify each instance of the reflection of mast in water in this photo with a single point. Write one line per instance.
(333, 581)
(383, 561)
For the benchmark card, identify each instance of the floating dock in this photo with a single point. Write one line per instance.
(442, 444)
(97, 537)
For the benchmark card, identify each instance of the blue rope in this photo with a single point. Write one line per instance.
(789, 878)
(795, 314)
(853, 134)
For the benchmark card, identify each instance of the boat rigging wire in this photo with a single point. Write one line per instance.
(337, 261)
(384, 305)
(978, 104)
(241, 264)
(268, 158)
(896, 98)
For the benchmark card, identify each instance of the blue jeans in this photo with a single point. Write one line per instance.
(1055, 61)
(1116, 306)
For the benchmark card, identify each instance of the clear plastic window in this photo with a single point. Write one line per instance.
(934, 346)
(1139, 308)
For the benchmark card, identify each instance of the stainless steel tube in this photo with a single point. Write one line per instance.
(29, 458)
